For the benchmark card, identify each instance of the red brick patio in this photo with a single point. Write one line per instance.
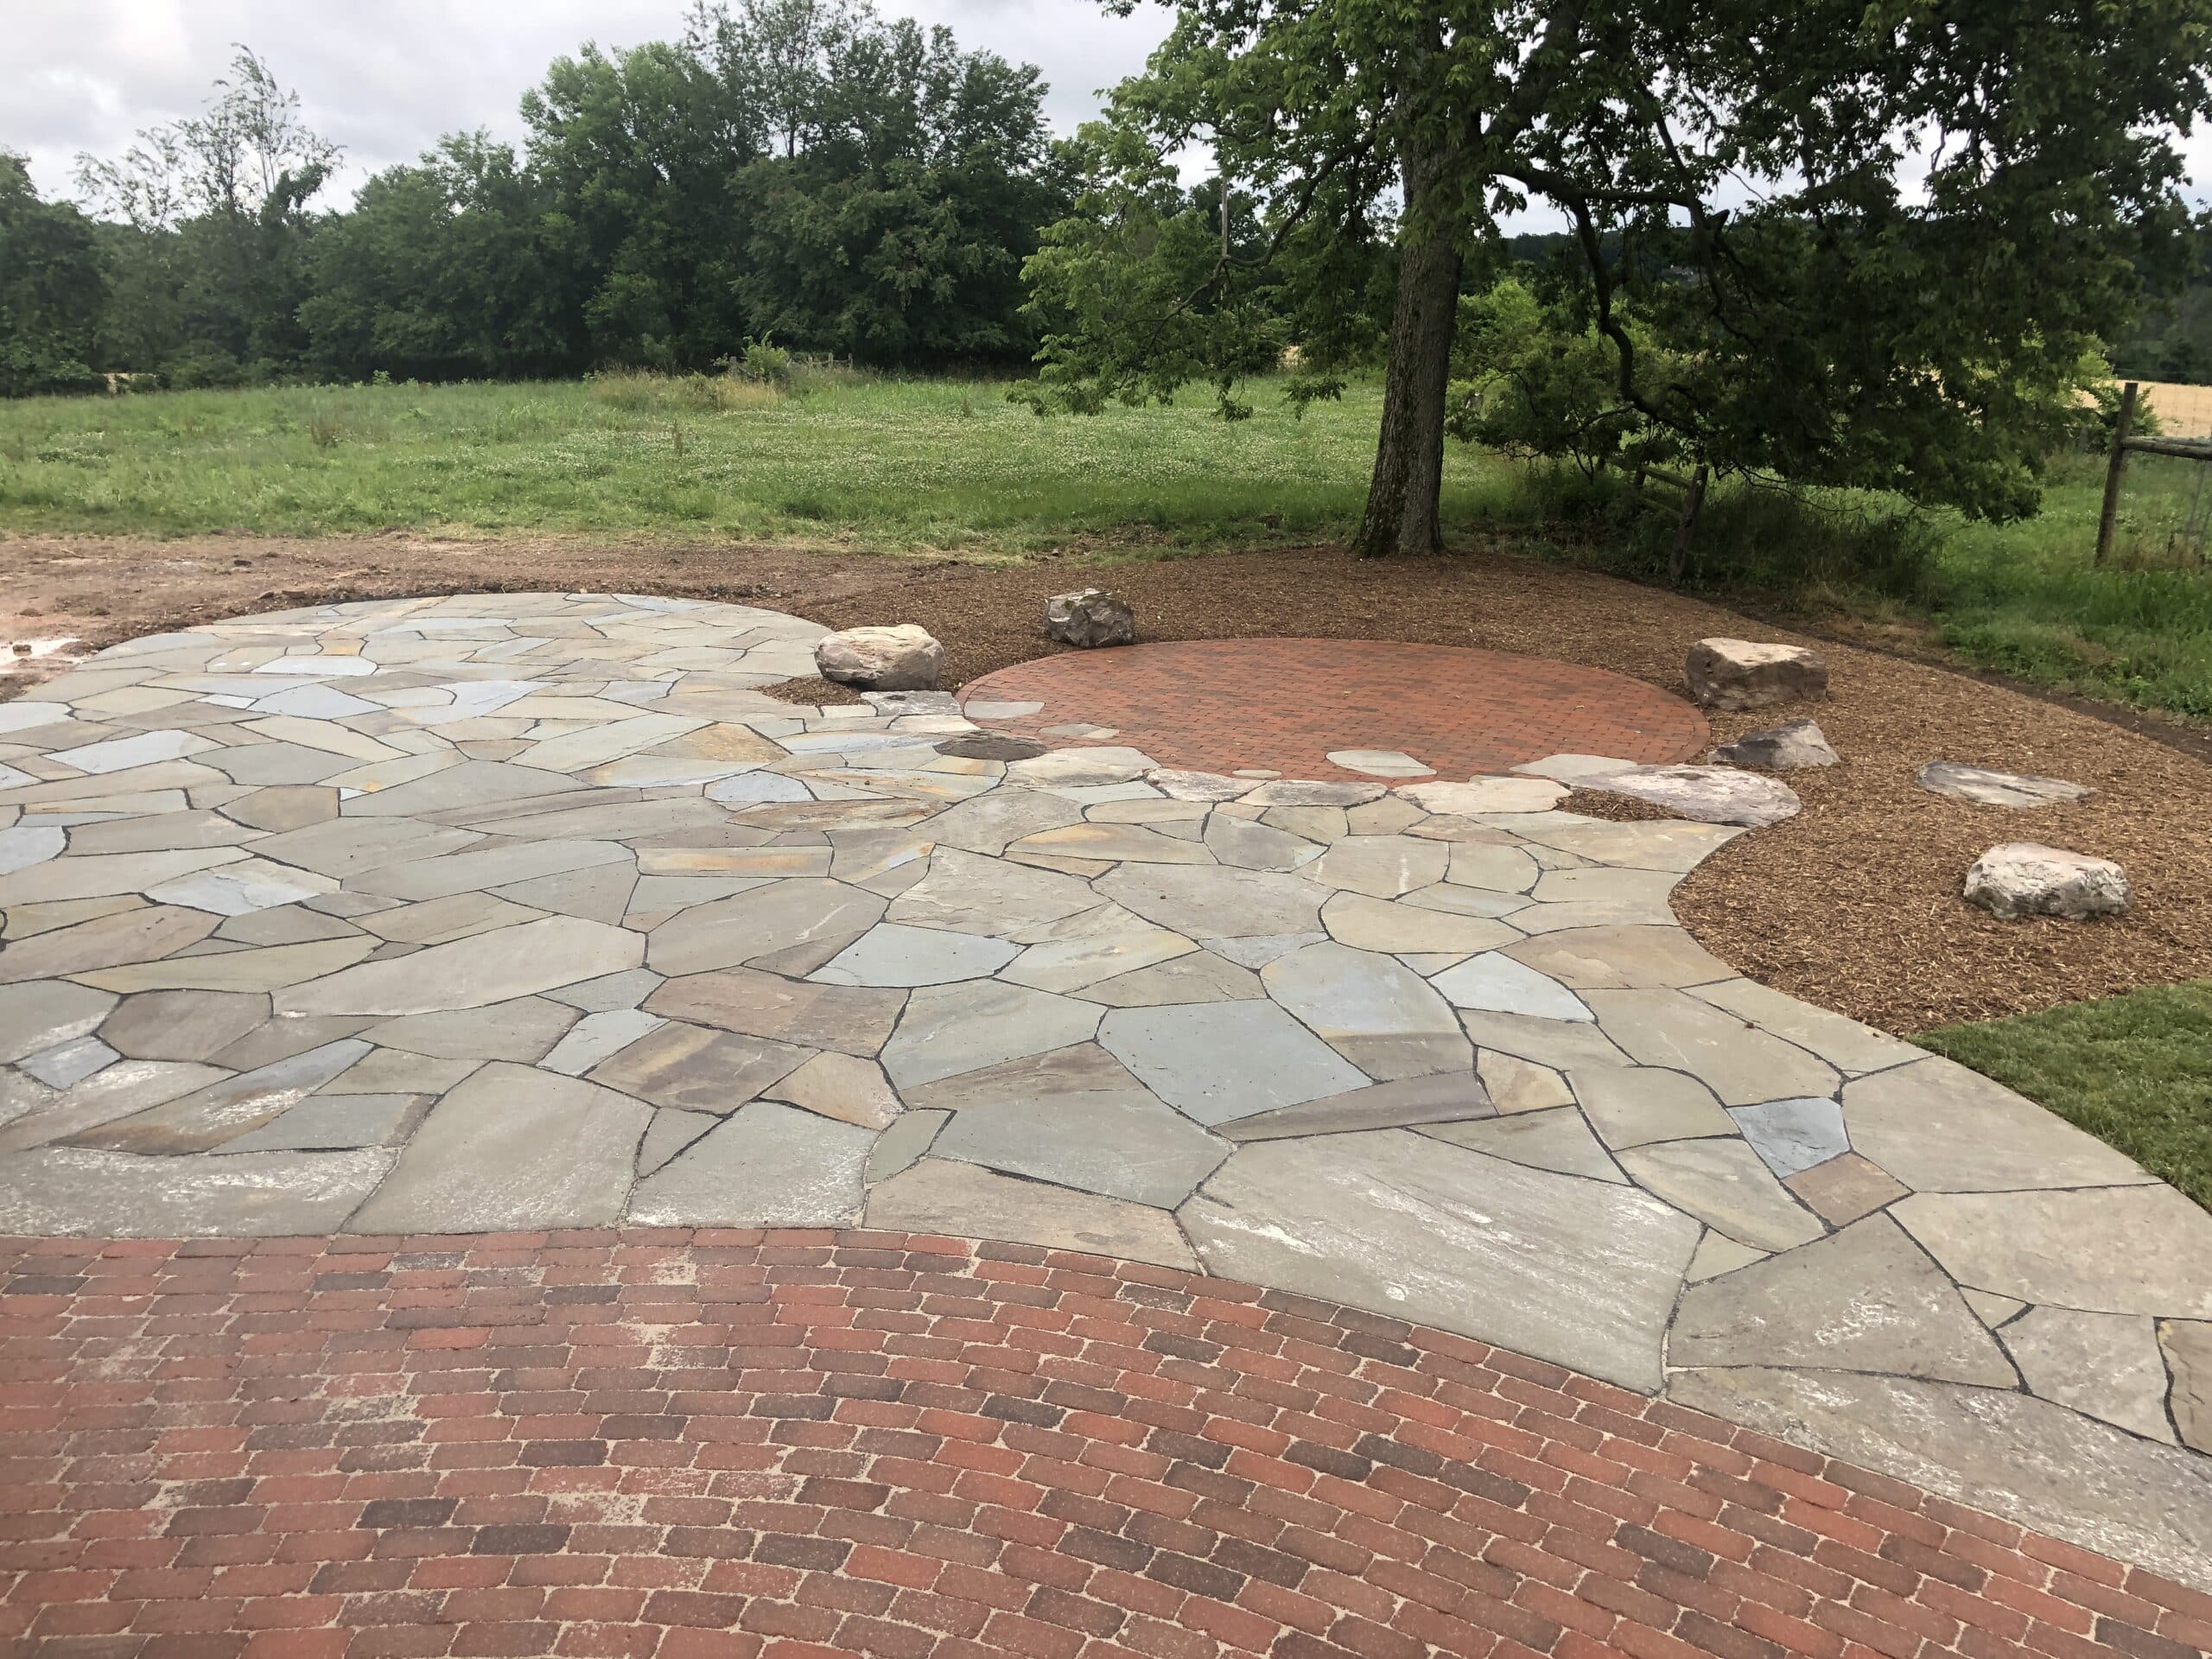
(1283, 704)
(804, 1444)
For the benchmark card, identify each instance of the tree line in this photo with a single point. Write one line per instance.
(804, 171)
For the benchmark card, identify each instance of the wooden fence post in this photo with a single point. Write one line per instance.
(2115, 469)
(1693, 499)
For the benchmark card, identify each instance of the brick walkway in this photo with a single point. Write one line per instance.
(1284, 704)
(805, 1443)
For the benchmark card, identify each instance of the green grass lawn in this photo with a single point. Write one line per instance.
(919, 465)
(890, 463)
(2134, 1070)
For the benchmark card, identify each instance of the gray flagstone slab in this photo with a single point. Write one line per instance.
(76, 1190)
(892, 953)
(765, 1166)
(1556, 1139)
(2107, 1364)
(2123, 1249)
(132, 935)
(521, 1029)
(1938, 1127)
(1372, 1009)
(1216, 1061)
(820, 915)
(1722, 1182)
(39, 1014)
(1217, 904)
(851, 1019)
(939, 1195)
(1743, 1064)
(950, 1029)
(697, 1068)
(469, 972)
(209, 1117)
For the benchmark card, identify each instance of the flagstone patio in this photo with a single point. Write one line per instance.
(526, 912)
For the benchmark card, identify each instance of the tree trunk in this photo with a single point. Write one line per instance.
(1402, 514)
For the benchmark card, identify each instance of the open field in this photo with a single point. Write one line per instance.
(952, 467)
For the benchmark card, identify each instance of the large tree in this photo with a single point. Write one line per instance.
(51, 290)
(1865, 244)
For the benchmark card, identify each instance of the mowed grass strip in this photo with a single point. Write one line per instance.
(2134, 1070)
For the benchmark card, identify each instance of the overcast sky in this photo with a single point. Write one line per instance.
(385, 79)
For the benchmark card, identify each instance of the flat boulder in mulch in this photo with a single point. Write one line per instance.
(1704, 794)
(901, 659)
(2026, 878)
(1736, 674)
(1985, 787)
(991, 745)
(1089, 618)
(1799, 744)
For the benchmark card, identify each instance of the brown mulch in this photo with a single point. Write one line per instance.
(1853, 903)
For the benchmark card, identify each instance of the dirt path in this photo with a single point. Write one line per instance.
(1853, 903)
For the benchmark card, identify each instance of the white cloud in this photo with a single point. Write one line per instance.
(385, 79)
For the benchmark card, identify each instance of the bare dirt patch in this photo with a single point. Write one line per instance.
(1853, 903)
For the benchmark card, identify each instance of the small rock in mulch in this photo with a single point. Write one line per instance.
(1985, 787)
(1704, 794)
(911, 703)
(901, 659)
(1781, 748)
(2026, 878)
(991, 745)
(1091, 618)
(1738, 674)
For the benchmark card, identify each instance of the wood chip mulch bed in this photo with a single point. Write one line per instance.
(1852, 905)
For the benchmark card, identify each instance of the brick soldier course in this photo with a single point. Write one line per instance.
(803, 1443)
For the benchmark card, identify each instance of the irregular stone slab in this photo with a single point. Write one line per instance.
(437, 921)
(1380, 763)
(1938, 1127)
(1289, 792)
(1743, 1064)
(346, 847)
(1568, 1270)
(936, 1195)
(1374, 1011)
(2040, 1465)
(990, 746)
(966, 893)
(41, 1014)
(101, 876)
(1651, 844)
(469, 972)
(1738, 674)
(2107, 1364)
(132, 936)
(669, 1133)
(1985, 788)
(1558, 1140)
(903, 658)
(64, 1190)
(68, 1063)
(2188, 1348)
(1071, 768)
(284, 806)
(473, 783)
(335, 1122)
(1795, 746)
(513, 1148)
(1179, 785)
(1112, 1138)
(766, 1166)
(1217, 904)
(1790, 1136)
(892, 953)
(594, 1038)
(122, 753)
(1717, 1254)
(950, 1029)
(697, 1069)
(212, 1115)
(1722, 1182)
(1627, 958)
(1217, 1061)
(180, 1025)
(520, 1030)
(1845, 1044)
(1369, 924)
(847, 1019)
(2126, 1249)
(1563, 1044)
(904, 1144)
(1091, 946)
(240, 889)
(1479, 796)
(1517, 1085)
(1494, 983)
(844, 1087)
(235, 970)
(471, 871)
(1845, 1188)
(1706, 794)
(804, 917)
(988, 823)
(1634, 890)
(985, 709)
(1201, 976)
(1493, 868)
(20, 847)
(2026, 878)
(1446, 1097)
(1381, 867)
(32, 1114)
(1572, 768)
(1250, 846)
(1866, 1300)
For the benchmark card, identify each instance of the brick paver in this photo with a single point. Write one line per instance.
(802, 1444)
(1284, 704)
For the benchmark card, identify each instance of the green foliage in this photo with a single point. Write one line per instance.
(51, 290)
(2134, 1070)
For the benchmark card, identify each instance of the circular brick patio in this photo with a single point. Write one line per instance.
(1219, 705)
(812, 1444)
